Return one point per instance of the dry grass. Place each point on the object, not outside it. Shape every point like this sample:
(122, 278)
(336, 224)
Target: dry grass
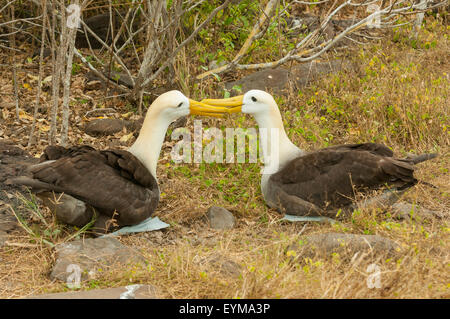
(399, 96)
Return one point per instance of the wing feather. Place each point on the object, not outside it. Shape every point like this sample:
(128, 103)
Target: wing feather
(111, 180)
(333, 175)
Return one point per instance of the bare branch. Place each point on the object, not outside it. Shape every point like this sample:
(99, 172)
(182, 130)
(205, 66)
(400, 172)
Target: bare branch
(183, 44)
(41, 72)
(265, 17)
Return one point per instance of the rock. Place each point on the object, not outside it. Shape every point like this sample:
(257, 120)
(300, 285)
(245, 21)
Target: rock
(221, 263)
(3, 238)
(89, 255)
(127, 292)
(95, 82)
(225, 265)
(8, 221)
(278, 80)
(67, 209)
(100, 25)
(100, 127)
(181, 122)
(302, 74)
(272, 80)
(13, 163)
(37, 52)
(220, 218)
(343, 244)
(406, 210)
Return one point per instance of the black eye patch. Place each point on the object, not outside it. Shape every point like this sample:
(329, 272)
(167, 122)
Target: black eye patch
(254, 99)
(180, 104)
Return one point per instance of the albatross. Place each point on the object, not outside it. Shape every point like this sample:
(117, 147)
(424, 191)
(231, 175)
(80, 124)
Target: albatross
(322, 182)
(118, 184)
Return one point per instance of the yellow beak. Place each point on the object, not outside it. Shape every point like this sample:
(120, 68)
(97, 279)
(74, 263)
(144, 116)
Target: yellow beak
(201, 108)
(231, 105)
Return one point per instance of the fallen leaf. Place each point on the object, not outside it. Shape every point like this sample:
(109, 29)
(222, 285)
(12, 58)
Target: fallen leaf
(24, 115)
(44, 128)
(126, 115)
(47, 79)
(32, 77)
(126, 138)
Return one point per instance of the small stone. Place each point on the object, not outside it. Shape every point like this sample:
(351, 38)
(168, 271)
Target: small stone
(127, 292)
(89, 255)
(8, 221)
(220, 218)
(225, 265)
(343, 244)
(67, 209)
(106, 126)
(406, 210)
(270, 79)
(220, 263)
(3, 238)
(278, 80)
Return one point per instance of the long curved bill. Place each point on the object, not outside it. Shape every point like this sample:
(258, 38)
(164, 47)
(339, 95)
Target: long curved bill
(201, 108)
(232, 104)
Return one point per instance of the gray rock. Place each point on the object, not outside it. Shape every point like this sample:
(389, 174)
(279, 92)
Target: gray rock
(220, 218)
(225, 265)
(180, 122)
(302, 74)
(107, 126)
(272, 80)
(406, 210)
(346, 245)
(95, 82)
(8, 221)
(279, 80)
(13, 163)
(67, 209)
(127, 292)
(3, 238)
(89, 255)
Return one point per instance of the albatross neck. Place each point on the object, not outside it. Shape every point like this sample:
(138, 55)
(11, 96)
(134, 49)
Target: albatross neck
(284, 148)
(149, 142)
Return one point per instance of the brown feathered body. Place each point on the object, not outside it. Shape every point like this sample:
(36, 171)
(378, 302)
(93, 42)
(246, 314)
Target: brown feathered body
(330, 178)
(112, 181)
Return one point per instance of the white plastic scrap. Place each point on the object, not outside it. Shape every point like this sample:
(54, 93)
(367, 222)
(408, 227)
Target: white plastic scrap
(147, 225)
(321, 219)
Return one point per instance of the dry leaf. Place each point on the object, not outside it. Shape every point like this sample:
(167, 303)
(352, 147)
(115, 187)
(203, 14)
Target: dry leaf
(126, 115)
(24, 115)
(126, 138)
(44, 128)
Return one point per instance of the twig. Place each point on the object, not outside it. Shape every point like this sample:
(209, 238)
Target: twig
(70, 38)
(265, 17)
(13, 61)
(41, 71)
(183, 44)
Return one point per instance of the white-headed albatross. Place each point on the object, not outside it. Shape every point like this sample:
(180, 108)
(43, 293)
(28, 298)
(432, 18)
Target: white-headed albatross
(114, 182)
(322, 182)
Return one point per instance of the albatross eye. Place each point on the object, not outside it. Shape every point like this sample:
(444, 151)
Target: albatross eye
(181, 103)
(254, 99)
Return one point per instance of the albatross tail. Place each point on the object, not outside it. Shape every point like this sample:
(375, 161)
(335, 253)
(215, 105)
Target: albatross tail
(416, 159)
(35, 184)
